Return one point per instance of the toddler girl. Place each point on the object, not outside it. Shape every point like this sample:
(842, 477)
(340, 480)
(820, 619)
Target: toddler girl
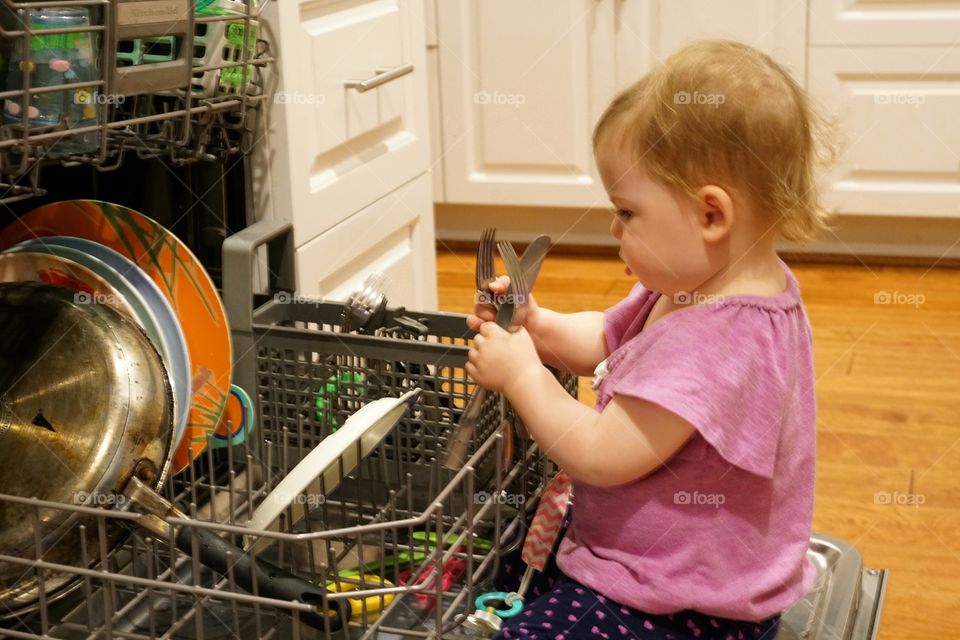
(693, 478)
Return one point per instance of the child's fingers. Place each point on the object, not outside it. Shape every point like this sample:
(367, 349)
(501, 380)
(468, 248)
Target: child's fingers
(474, 321)
(499, 286)
(485, 312)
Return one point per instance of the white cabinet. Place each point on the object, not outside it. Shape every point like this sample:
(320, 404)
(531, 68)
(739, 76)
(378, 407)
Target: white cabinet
(888, 72)
(347, 125)
(332, 263)
(897, 110)
(872, 22)
(523, 84)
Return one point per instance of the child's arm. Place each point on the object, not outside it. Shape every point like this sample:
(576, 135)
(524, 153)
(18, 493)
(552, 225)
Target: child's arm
(571, 342)
(627, 441)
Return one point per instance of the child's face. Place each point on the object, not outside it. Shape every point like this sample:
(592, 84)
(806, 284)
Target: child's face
(658, 230)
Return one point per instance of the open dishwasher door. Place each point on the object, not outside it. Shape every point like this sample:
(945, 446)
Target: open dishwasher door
(846, 601)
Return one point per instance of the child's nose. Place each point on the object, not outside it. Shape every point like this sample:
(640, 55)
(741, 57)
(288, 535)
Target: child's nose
(616, 229)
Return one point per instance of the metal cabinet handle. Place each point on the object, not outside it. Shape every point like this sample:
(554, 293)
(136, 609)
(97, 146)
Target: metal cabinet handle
(383, 76)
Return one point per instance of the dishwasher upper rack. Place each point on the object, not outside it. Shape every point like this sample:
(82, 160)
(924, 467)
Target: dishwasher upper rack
(199, 101)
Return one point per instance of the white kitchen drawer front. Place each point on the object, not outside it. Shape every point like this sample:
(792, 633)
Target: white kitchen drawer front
(523, 84)
(339, 144)
(393, 235)
(866, 22)
(897, 109)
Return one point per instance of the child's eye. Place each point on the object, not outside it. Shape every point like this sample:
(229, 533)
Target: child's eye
(624, 214)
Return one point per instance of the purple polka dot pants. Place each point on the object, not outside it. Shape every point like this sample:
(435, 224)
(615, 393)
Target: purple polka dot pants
(571, 611)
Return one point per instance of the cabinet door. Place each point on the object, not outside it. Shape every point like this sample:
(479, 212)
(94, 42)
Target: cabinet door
(333, 264)
(333, 149)
(896, 108)
(522, 85)
(858, 22)
(776, 27)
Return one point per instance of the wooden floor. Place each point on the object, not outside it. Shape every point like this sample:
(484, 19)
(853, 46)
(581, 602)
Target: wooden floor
(888, 428)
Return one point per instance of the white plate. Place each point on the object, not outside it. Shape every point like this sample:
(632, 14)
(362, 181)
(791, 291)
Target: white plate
(368, 426)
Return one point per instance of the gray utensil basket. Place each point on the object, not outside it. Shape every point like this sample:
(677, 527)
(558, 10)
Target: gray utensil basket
(306, 377)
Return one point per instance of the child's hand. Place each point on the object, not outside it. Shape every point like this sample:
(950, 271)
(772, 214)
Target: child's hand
(483, 311)
(499, 357)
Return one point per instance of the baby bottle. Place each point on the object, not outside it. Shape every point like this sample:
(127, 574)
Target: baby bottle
(56, 59)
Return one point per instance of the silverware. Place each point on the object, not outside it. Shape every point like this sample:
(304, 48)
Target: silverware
(510, 317)
(484, 271)
(364, 303)
(533, 257)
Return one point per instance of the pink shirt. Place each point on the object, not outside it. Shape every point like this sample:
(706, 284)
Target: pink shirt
(723, 527)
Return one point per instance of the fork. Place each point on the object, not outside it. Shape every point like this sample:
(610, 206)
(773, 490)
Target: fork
(510, 317)
(519, 289)
(364, 303)
(485, 271)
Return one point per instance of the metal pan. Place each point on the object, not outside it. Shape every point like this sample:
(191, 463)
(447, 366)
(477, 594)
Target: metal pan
(88, 416)
(155, 311)
(151, 309)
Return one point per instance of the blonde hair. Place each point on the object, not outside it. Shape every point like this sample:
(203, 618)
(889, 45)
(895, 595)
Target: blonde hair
(723, 110)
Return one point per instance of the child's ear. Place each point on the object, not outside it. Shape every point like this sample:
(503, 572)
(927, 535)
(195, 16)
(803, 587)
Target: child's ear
(715, 215)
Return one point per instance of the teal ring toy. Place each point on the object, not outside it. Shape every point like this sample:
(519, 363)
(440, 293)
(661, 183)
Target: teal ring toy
(515, 608)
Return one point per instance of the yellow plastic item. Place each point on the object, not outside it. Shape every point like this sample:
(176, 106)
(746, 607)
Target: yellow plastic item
(372, 602)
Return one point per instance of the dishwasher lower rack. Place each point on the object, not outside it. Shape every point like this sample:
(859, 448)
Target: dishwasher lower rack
(373, 538)
(350, 541)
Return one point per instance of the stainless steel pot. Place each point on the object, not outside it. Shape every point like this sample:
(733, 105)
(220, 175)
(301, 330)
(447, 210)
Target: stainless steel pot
(84, 405)
(87, 419)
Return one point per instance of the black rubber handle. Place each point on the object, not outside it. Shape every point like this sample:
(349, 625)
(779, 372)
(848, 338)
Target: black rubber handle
(271, 580)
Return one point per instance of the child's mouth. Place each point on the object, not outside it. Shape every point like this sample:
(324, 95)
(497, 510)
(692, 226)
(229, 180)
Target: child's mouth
(627, 271)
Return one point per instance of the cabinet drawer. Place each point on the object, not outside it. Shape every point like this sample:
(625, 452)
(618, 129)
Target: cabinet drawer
(393, 235)
(866, 22)
(897, 110)
(336, 146)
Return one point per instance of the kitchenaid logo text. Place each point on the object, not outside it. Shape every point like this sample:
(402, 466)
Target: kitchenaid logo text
(129, 13)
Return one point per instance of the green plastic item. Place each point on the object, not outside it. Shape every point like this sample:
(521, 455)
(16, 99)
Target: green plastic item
(416, 557)
(479, 543)
(400, 558)
(332, 389)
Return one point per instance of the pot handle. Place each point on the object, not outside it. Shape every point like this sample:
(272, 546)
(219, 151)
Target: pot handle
(271, 581)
